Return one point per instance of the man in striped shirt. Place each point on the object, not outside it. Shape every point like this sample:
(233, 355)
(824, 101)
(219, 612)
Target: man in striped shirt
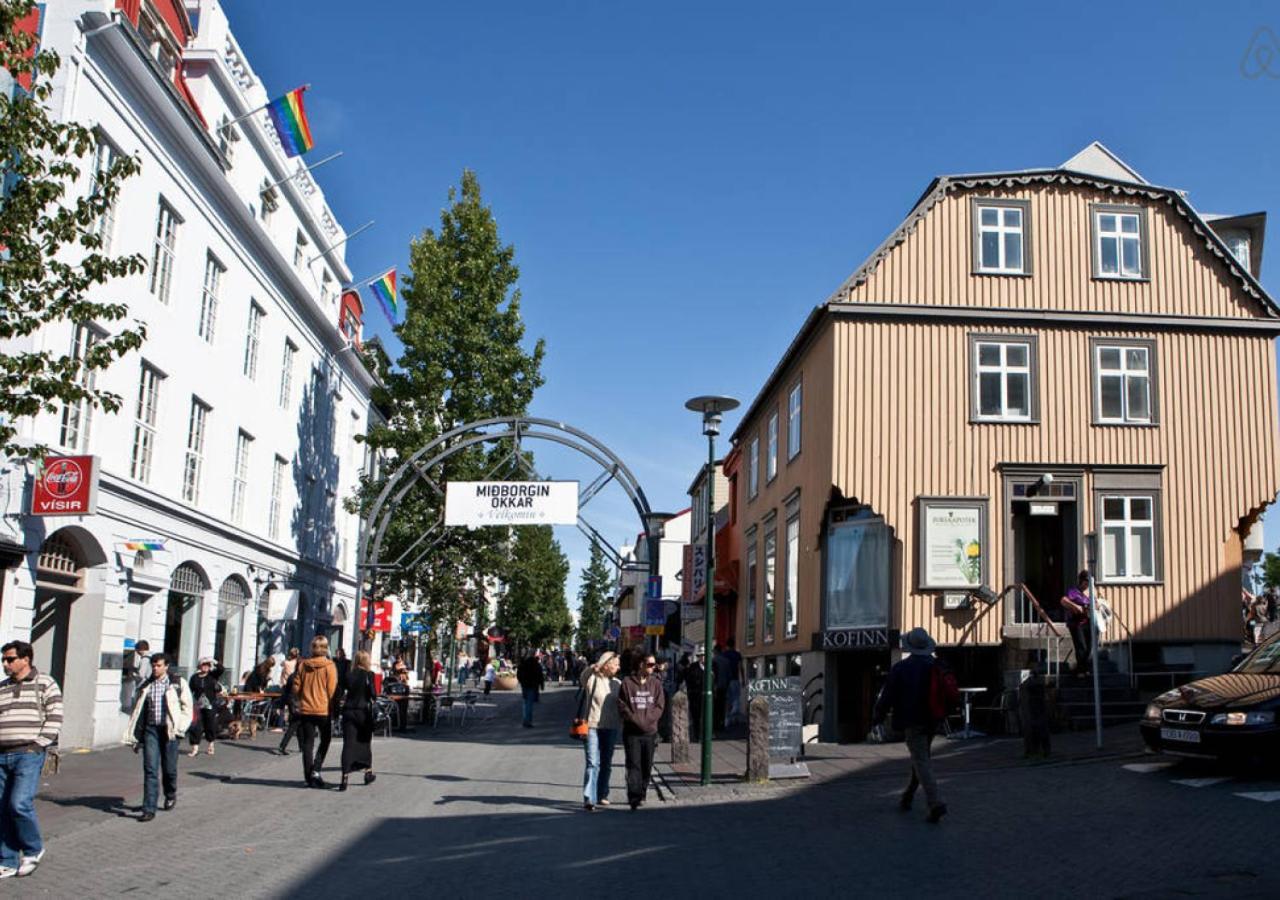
(30, 719)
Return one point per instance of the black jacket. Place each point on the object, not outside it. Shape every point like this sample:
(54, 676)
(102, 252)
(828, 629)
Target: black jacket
(205, 686)
(906, 692)
(529, 674)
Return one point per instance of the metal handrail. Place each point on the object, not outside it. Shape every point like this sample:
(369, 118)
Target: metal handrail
(1052, 649)
(1128, 635)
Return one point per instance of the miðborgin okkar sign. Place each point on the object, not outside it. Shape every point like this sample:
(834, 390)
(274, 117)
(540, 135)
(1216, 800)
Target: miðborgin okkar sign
(66, 486)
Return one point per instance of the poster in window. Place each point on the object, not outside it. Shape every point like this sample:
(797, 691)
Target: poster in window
(953, 543)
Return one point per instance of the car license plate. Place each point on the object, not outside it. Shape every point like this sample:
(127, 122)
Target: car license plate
(1180, 734)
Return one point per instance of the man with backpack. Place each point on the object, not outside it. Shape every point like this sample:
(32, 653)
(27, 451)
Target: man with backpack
(921, 691)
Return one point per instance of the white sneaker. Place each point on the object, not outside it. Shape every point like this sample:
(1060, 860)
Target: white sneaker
(29, 864)
(7, 871)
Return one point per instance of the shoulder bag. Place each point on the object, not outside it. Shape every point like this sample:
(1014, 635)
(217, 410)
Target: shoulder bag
(578, 729)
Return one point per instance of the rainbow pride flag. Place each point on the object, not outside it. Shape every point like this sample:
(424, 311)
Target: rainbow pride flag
(290, 119)
(384, 288)
(143, 545)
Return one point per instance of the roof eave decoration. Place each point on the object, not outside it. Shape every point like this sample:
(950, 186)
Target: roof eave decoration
(952, 183)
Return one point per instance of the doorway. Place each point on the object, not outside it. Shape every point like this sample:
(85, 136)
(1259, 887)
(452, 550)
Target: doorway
(182, 618)
(1046, 555)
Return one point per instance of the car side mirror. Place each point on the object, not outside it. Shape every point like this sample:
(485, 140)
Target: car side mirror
(1237, 659)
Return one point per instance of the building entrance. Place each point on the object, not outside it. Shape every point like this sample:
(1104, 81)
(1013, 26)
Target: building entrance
(1046, 555)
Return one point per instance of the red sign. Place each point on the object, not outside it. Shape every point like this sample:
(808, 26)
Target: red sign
(381, 615)
(66, 486)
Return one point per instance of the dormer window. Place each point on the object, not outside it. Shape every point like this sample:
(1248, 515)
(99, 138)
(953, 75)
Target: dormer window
(1238, 243)
(160, 44)
(227, 138)
(1000, 229)
(1119, 242)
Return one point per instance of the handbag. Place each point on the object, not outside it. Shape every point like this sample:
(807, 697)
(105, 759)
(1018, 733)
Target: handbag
(578, 728)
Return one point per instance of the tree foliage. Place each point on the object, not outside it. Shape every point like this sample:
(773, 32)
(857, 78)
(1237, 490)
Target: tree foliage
(463, 361)
(1271, 570)
(533, 612)
(593, 594)
(54, 247)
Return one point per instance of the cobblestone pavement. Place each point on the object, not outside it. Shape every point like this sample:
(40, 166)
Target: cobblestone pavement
(497, 807)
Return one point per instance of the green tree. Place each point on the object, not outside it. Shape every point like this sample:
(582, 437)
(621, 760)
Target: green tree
(593, 594)
(463, 361)
(533, 612)
(53, 239)
(1271, 570)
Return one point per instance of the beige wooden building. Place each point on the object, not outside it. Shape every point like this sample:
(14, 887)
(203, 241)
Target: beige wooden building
(1028, 359)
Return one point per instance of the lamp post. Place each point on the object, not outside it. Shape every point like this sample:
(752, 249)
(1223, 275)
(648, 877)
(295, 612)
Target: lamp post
(712, 408)
(1091, 558)
(653, 528)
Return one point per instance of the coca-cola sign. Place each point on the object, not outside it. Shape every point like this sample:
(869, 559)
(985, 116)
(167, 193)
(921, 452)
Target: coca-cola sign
(66, 486)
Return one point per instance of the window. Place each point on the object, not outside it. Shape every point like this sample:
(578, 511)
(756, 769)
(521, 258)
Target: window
(791, 592)
(300, 250)
(753, 467)
(103, 158)
(195, 451)
(162, 253)
(227, 137)
(286, 373)
(251, 339)
(1119, 236)
(1003, 380)
(1128, 538)
(144, 426)
(77, 414)
(770, 579)
(278, 471)
(270, 202)
(1238, 243)
(1000, 237)
(753, 580)
(209, 298)
(771, 453)
(328, 296)
(859, 570)
(240, 476)
(793, 423)
(1123, 387)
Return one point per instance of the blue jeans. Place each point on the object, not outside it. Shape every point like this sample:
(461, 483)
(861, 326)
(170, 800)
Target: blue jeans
(599, 746)
(19, 830)
(159, 758)
(530, 696)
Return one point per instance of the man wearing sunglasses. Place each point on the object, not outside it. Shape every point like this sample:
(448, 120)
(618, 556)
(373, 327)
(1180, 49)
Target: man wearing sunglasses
(640, 703)
(30, 720)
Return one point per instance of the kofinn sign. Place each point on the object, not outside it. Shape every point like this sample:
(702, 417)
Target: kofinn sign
(855, 639)
(476, 503)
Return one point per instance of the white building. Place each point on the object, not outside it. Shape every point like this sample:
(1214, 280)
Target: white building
(234, 446)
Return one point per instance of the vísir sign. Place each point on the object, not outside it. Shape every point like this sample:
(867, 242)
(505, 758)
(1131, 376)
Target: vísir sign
(476, 503)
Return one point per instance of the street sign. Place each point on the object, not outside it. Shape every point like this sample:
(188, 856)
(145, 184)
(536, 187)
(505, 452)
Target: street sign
(654, 629)
(477, 503)
(413, 622)
(655, 613)
(655, 587)
(614, 633)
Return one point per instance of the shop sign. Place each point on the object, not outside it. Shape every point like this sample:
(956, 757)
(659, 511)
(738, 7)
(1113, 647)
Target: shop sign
(953, 543)
(477, 503)
(381, 615)
(655, 613)
(855, 639)
(1043, 509)
(66, 486)
(786, 712)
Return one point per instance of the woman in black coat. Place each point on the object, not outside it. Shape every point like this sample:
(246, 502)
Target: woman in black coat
(358, 714)
(204, 694)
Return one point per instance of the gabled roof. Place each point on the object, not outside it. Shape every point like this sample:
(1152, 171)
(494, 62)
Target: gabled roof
(1096, 159)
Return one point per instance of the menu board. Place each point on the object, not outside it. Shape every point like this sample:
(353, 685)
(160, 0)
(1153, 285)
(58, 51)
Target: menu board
(786, 713)
(953, 543)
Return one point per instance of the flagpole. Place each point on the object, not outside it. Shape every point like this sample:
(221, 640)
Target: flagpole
(365, 282)
(368, 224)
(257, 109)
(314, 165)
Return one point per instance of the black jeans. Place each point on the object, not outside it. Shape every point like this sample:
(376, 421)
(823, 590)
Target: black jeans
(639, 753)
(291, 731)
(313, 761)
(1082, 640)
(205, 727)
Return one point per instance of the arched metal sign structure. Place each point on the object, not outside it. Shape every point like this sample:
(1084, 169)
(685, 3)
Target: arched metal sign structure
(417, 469)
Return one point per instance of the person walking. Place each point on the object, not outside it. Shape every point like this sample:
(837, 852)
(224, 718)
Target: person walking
(30, 721)
(289, 701)
(599, 702)
(719, 687)
(490, 674)
(317, 680)
(285, 709)
(204, 694)
(734, 702)
(341, 665)
(694, 676)
(532, 679)
(640, 704)
(908, 692)
(161, 713)
(358, 713)
(1076, 603)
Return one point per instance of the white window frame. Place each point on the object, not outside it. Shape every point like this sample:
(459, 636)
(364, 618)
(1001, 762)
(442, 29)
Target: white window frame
(1125, 374)
(1002, 229)
(795, 402)
(240, 475)
(753, 468)
(227, 138)
(1119, 236)
(753, 587)
(327, 294)
(253, 339)
(1005, 370)
(213, 272)
(1129, 528)
(771, 448)
(300, 243)
(197, 422)
(791, 589)
(162, 254)
(278, 469)
(77, 416)
(770, 596)
(104, 156)
(144, 425)
(286, 373)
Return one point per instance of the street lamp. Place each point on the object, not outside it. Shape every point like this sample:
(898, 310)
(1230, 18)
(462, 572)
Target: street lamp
(654, 531)
(712, 408)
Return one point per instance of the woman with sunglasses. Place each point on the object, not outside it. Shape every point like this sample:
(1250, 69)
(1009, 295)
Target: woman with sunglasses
(641, 701)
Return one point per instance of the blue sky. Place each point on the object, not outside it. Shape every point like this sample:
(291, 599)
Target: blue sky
(684, 182)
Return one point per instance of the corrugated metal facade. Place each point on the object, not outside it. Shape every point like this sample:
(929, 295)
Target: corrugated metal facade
(898, 425)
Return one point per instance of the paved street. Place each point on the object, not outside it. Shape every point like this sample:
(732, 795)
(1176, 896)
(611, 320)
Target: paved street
(497, 805)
